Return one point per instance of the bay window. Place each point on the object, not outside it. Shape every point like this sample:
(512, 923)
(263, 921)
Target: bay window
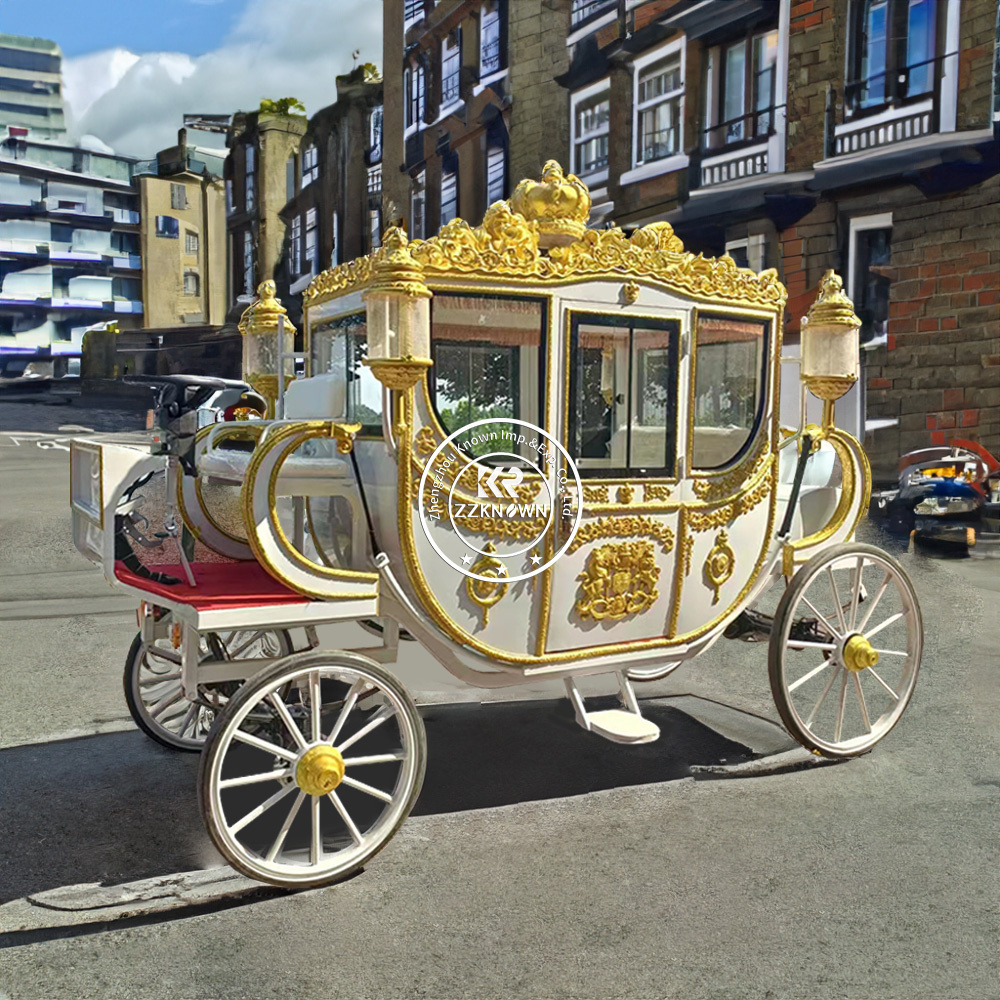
(490, 60)
(591, 114)
(659, 109)
(451, 68)
(414, 95)
(744, 76)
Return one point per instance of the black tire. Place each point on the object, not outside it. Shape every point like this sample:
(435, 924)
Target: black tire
(140, 713)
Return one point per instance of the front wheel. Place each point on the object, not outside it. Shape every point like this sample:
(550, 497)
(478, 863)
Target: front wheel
(845, 650)
(152, 683)
(311, 768)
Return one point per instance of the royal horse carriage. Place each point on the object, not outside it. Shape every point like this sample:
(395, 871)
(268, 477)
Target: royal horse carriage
(538, 450)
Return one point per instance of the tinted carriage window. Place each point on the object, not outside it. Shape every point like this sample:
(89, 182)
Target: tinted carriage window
(623, 395)
(338, 347)
(487, 353)
(728, 387)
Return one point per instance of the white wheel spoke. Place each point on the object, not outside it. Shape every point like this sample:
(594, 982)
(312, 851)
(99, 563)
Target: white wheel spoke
(256, 741)
(822, 698)
(164, 703)
(377, 758)
(861, 702)
(279, 841)
(286, 717)
(840, 709)
(189, 717)
(856, 589)
(892, 652)
(805, 644)
(889, 621)
(159, 679)
(315, 704)
(262, 808)
(386, 712)
(809, 676)
(821, 617)
(352, 696)
(367, 789)
(316, 843)
(878, 596)
(892, 694)
(346, 817)
(253, 779)
(836, 599)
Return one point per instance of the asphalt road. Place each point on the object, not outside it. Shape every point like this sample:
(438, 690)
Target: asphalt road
(540, 862)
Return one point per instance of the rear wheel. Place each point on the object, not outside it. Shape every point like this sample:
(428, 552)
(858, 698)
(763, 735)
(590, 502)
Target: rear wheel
(152, 684)
(845, 650)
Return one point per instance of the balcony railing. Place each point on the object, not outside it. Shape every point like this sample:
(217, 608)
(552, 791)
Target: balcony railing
(490, 61)
(753, 126)
(449, 89)
(585, 10)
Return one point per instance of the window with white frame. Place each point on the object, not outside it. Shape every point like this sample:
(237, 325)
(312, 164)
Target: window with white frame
(742, 82)
(870, 275)
(230, 207)
(490, 56)
(375, 206)
(451, 68)
(311, 261)
(591, 114)
(191, 283)
(310, 165)
(750, 251)
(449, 195)
(418, 201)
(248, 262)
(659, 109)
(248, 191)
(190, 242)
(375, 135)
(496, 174)
(178, 196)
(295, 248)
(413, 10)
(414, 95)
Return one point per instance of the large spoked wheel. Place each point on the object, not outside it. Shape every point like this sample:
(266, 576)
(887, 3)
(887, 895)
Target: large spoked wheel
(845, 650)
(311, 768)
(152, 684)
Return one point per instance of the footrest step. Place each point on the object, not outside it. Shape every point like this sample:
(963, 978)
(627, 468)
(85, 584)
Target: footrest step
(623, 727)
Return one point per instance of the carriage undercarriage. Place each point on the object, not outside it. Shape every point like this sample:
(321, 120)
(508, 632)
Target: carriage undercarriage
(685, 508)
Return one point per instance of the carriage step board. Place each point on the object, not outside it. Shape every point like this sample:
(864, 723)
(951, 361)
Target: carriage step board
(619, 726)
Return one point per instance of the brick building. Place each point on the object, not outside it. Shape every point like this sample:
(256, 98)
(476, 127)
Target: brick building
(809, 134)
(470, 103)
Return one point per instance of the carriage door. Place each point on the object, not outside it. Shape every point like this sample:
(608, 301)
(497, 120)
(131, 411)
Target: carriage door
(614, 584)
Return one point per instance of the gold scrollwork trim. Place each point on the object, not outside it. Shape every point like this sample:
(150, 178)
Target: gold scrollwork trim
(720, 517)
(484, 594)
(712, 489)
(719, 564)
(623, 527)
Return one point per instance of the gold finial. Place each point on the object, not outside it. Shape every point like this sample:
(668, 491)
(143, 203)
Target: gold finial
(395, 269)
(261, 316)
(832, 306)
(559, 204)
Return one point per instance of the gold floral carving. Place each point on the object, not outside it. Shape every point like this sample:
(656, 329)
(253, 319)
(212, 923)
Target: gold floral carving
(595, 494)
(623, 527)
(507, 245)
(655, 491)
(559, 204)
(719, 517)
(482, 593)
(718, 487)
(687, 549)
(625, 493)
(619, 580)
(719, 564)
(630, 292)
(425, 441)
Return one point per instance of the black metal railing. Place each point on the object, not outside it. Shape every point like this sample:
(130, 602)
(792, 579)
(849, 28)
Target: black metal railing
(490, 61)
(877, 91)
(449, 88)
(659, 145)
(584, 10)
(752, 126)
(413, 10)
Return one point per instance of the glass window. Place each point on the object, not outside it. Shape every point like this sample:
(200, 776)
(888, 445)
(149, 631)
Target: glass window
(487, 353)
(334, 237)
(230, 207)
(623, 390)
(496, 174)
(248, 263)
(744, 107)
(660, 92)
(451, 69)
(178, 196)
(311, 261)
(339, 347)
(190, 242)
(168, 226)
(248, 187)
(413, 94)
(872, 257)
(449, 196)
(590, 141)
(920, 47)
(417, 205)
(310, 165)
(728, 388)
(873, 53)
(490, 60)
(190, 283)
(375, 135)
(295, 249)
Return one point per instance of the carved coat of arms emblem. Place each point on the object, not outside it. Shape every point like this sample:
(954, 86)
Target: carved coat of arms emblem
(619, 580)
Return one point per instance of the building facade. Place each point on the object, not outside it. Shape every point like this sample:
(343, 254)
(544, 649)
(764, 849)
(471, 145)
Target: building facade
(470, 103)
(182, 204)
(31, 86)
(69, 245)
(803, 135)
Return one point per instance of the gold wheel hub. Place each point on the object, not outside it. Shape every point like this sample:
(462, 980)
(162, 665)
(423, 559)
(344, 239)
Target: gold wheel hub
(859, 654)
(319, 770)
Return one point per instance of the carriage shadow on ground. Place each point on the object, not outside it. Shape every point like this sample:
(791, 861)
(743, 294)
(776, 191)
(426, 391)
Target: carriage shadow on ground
(116, 807)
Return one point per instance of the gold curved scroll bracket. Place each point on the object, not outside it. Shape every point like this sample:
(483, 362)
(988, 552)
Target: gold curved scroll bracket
(484, 594)
(854, 466)
(719, 564)
(619, 580)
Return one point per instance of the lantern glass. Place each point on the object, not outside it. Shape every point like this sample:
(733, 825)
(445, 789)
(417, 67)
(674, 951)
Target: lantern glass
(398, 326)
(830, 350)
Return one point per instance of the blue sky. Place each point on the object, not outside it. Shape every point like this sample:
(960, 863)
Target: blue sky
(82, 26)
(133, 68)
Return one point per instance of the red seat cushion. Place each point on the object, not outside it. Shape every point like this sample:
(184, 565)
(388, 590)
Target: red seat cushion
(220, 585)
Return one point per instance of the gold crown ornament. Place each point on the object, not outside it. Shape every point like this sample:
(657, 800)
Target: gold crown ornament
(559, 204)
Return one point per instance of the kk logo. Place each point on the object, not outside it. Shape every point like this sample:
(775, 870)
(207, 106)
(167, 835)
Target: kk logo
(501, 483)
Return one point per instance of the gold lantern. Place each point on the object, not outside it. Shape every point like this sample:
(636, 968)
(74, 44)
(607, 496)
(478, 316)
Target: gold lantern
(830, 344)
(399, 315)
(261, 324)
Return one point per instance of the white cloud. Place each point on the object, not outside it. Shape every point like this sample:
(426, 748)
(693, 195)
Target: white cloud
(292, 49)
